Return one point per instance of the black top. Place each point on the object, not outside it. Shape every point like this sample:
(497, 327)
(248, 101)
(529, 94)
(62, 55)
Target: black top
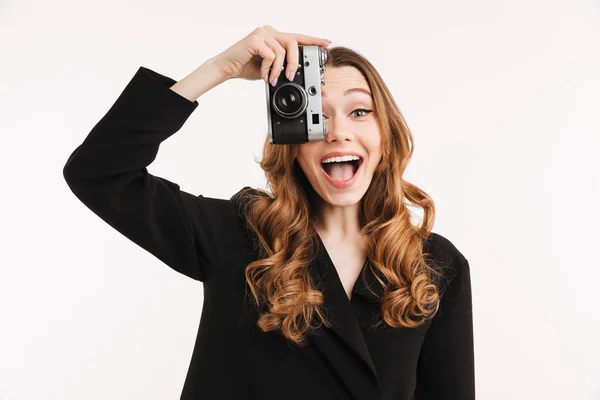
(206, 239)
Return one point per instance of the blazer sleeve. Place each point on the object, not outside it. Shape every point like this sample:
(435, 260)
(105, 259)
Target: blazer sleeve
(108, 173)
(446, 368)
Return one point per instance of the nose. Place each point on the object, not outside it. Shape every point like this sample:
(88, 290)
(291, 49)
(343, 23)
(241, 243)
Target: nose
(337, 131)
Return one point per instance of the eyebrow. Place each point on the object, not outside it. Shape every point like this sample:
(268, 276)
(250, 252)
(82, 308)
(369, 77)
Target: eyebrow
(353, 90)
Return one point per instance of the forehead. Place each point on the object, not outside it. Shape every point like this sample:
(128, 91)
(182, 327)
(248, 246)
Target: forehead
(339, 79)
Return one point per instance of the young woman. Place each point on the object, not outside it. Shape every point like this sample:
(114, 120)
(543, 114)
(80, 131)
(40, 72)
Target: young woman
(320, 288)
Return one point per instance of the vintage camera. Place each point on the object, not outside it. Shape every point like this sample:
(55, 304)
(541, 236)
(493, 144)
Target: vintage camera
(294, 111)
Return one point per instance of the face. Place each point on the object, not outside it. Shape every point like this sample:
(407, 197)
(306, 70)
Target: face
(349, 130)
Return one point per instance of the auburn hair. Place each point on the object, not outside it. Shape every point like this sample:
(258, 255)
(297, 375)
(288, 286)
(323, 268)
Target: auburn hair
(283, 224)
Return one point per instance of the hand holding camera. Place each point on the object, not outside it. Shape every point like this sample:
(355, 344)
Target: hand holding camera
(263, 52)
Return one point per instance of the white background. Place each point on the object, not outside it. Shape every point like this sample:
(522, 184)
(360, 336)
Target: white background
(503, 99)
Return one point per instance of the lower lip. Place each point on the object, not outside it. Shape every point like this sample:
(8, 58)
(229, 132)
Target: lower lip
(342, 184)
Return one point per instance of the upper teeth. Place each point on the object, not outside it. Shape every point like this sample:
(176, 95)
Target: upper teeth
(340, 159)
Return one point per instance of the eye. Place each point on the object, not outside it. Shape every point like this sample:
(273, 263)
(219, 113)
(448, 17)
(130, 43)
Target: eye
(358, 109)
(362, 109)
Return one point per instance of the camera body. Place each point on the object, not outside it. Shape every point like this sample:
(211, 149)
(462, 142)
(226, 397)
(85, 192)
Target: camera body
(294, 108)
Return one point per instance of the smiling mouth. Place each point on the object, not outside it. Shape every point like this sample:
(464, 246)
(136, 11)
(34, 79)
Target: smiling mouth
(342, 171)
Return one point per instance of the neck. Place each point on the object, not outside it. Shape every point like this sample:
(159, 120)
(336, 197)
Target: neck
(338, 223)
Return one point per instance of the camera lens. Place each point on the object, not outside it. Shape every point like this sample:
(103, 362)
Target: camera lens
(290, 100)
(322, 56)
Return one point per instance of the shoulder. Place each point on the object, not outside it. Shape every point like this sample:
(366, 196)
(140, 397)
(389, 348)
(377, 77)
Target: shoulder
(240, 202)
(242, 198)
(441, 247)
(443, 255)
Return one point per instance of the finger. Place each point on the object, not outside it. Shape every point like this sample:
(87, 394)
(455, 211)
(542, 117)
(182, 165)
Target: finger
(310, 40)
(277, 65)
(292, 54)
(300, 38)
(267, 54)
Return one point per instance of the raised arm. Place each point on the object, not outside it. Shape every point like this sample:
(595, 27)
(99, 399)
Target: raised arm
(108, 173)
(446, 368)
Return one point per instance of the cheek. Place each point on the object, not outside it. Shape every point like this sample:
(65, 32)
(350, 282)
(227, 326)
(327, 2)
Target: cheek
(306, 154)
(304, 163)
(373, 144)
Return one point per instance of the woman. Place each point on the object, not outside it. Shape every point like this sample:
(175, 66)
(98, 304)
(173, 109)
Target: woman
(312, 291)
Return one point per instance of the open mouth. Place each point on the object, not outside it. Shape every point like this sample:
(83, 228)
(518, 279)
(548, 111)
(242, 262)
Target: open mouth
(344, 171)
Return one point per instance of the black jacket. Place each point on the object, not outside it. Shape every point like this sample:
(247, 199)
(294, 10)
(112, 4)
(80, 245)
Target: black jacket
(206, 239)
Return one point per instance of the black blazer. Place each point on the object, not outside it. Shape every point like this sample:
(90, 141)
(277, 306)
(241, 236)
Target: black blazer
(207, 240)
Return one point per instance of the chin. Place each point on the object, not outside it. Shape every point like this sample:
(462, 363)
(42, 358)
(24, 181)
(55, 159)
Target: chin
(343, 202)
(341, 198)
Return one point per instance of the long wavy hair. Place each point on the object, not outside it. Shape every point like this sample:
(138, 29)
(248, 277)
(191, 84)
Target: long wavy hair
(283, 222)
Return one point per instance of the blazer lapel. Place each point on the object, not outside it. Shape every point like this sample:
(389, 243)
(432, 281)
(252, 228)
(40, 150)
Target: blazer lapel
(349, 357)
